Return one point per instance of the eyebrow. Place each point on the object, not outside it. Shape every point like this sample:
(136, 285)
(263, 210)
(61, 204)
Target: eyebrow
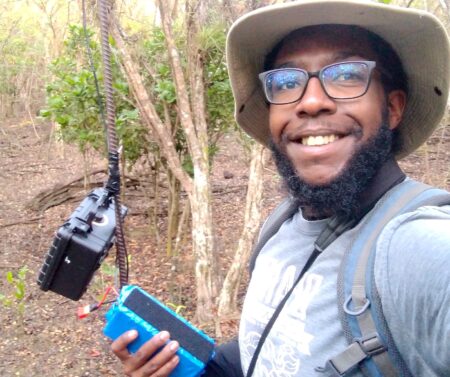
(340, 55)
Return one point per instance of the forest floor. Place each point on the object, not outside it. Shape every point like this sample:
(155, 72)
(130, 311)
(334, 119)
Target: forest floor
(48, 339)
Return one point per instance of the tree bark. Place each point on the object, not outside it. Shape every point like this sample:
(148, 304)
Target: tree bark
(158, 128)
(193, 121)
(228, 296)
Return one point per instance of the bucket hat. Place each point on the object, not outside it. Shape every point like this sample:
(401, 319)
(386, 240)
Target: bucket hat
(419, 39)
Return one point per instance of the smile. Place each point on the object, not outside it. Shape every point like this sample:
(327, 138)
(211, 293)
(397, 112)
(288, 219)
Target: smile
(319, 140)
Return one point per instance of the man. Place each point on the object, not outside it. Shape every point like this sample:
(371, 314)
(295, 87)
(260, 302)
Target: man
(345, 88)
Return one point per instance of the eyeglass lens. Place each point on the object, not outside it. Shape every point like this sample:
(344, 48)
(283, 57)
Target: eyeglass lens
(340, 81)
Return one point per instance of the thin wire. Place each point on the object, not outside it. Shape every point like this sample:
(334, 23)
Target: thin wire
(93, 70)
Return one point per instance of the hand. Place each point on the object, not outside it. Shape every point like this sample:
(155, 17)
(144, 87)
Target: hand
(145, 363)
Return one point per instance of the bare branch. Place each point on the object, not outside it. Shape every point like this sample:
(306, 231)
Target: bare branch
(180, 83)
(149, 114)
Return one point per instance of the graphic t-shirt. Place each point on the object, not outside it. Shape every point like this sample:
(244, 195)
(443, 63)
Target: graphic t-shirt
(308, 329)
(412, 276)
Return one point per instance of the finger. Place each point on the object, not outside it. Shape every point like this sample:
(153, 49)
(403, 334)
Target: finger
(166, 369)
(147, 350)
(163, 363)
(119, 346)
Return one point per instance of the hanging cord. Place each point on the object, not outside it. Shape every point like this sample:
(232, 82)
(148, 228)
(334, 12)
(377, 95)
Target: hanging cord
(93, 70)
(113, 184)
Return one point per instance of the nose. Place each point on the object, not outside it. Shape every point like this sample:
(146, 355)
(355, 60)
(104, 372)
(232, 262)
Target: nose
(315, 101)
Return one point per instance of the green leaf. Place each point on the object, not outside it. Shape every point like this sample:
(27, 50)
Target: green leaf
(45, 113)
(22, 272)
(10, 277)
(20, 293)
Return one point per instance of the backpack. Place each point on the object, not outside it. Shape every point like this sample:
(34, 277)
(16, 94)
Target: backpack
(371, 347)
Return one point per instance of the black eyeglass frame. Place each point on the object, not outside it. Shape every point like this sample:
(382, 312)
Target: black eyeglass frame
(263, 76)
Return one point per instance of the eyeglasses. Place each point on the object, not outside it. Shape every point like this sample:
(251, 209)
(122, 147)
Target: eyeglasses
(345, 80)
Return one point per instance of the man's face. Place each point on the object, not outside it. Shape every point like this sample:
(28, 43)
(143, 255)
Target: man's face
(344, 125)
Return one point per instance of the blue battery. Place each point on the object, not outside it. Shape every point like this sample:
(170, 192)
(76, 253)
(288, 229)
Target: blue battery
(136, 309)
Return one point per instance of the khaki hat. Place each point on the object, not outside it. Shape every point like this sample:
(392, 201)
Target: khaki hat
(418, 37)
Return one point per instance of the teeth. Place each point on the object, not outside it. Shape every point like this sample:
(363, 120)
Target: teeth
(319, 140)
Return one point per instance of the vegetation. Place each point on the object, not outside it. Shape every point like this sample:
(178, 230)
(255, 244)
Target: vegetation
(74, 104)
(14, 297)
(159, 81)
(21, 62)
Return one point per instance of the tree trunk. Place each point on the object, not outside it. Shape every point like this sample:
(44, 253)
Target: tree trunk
(182, 227)
(195, 129)
(173, 213)
(228, 296)
(193, 121)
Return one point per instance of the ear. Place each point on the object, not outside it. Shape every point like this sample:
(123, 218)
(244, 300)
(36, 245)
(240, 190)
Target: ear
(396, 101)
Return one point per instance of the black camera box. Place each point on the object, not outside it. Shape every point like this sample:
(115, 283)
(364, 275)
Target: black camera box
(79, 246)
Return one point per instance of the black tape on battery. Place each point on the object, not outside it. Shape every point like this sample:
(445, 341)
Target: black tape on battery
(161, 319)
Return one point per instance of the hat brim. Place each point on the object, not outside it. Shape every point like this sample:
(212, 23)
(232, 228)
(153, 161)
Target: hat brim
(418, 37)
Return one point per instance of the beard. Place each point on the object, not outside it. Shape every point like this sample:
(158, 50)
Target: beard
(341, 196)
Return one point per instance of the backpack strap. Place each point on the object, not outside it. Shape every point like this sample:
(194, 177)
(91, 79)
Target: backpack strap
(285, 210)
(371, 345)
(334, 227)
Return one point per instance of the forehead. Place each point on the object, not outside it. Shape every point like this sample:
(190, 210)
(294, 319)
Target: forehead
(332, 41)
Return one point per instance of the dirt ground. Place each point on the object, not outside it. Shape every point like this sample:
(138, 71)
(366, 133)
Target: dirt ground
(49, 340)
